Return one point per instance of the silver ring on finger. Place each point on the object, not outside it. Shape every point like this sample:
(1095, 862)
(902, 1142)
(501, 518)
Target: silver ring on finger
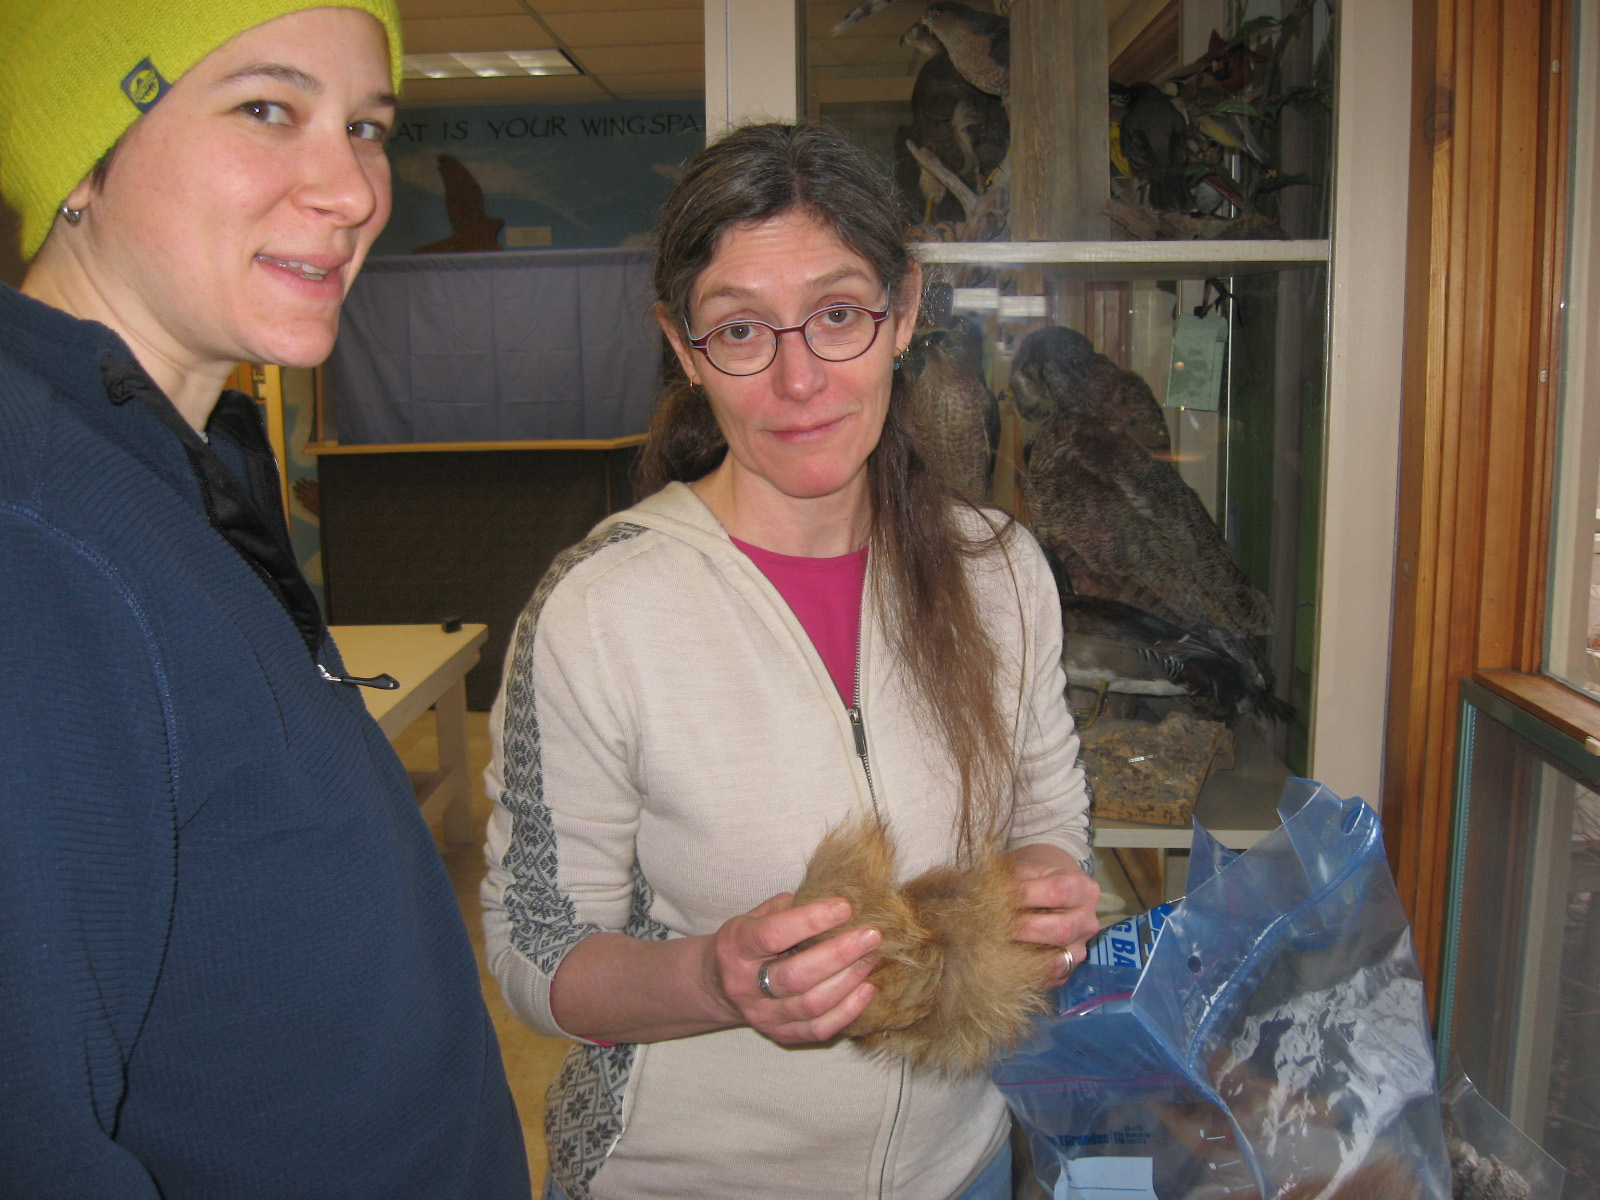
(1071, 961)
(764, 983)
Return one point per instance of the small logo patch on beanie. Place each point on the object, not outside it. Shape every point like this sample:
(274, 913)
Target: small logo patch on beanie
(144, 85)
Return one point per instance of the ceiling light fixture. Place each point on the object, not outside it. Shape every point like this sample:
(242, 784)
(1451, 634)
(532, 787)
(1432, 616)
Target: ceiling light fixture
(488, 64)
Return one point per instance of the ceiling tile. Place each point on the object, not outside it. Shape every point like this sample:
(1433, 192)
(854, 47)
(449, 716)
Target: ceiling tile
(411, 9)
(606, 61)
(427, 35)
(638, 48)
(550, 89)
(549, 7)
(643, 27)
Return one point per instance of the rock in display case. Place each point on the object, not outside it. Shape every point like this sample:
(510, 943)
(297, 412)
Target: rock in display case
(1123, 210)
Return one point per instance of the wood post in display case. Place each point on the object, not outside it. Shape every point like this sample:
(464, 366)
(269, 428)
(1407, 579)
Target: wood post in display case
(1060, 117)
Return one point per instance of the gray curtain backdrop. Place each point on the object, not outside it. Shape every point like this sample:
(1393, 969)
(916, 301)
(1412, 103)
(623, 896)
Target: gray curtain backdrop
(519, 345)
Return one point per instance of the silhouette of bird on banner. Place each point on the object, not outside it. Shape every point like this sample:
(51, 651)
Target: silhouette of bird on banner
(471, 227)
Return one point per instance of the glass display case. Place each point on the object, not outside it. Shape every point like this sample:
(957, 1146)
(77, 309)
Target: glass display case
(773, 59)
(1158, 179)
(1098, 119)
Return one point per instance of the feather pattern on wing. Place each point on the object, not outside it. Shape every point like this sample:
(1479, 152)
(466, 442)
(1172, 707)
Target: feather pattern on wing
(979, 44)
(1102, 495)
(956, 412)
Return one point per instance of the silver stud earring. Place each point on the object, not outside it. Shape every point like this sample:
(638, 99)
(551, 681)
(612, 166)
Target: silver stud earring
(72, 215)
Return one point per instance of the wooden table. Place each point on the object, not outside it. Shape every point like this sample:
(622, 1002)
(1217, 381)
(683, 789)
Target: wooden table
(431, 666)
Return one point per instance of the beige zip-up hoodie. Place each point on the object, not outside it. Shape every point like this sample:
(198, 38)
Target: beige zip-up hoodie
(669, 748)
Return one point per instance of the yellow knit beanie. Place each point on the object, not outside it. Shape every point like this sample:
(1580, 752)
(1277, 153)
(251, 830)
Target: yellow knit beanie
(74, 74)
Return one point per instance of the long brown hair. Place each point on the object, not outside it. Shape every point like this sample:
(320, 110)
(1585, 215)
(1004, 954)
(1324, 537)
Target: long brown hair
(754, 173)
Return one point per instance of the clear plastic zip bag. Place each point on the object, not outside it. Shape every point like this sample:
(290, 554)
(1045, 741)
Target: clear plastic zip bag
(1274, 1046)
(1490, 1158)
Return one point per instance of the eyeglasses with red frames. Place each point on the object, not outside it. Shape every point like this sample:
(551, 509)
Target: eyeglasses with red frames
(836, 333)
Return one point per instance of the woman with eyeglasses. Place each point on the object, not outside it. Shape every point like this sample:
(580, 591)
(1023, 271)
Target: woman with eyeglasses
(799, 624)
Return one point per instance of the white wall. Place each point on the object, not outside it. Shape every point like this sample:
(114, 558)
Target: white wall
(753, 50)
(1366, 320)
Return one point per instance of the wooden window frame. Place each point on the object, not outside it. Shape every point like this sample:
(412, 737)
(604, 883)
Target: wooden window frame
(1486, 247)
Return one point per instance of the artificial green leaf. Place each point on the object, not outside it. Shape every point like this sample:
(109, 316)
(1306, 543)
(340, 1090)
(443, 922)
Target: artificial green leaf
(1233, 104)
(1305, 99)
(1273, 183)
(1250, 29)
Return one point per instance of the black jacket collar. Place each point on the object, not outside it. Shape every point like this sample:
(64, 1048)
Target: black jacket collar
(88, 361)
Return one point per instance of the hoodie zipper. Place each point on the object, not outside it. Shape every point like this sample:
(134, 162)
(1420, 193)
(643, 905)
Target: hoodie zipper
(858, 729)
(858, 724)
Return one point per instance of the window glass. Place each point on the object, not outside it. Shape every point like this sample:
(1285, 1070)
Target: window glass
(1572, 648)
(1522, 1006)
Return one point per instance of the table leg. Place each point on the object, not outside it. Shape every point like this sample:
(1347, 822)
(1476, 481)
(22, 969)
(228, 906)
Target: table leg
(450, 720)
(1146, 872)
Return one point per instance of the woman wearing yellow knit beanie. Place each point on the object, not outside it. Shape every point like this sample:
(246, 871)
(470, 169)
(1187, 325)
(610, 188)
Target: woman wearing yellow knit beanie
(231, 963)
(203, 179)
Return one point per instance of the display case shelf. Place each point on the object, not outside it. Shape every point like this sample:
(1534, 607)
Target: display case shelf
(1135, 260)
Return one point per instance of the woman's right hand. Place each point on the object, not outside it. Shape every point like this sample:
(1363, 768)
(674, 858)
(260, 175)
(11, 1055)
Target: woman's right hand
(819, 990)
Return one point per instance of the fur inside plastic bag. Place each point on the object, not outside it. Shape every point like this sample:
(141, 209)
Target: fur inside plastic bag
(1490, 1158)
(1275, 1045)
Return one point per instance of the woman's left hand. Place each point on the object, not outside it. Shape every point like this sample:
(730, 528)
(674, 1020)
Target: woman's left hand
(1057, 902)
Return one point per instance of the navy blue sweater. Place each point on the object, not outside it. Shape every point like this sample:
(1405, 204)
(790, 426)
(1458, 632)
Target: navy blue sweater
(231, 963)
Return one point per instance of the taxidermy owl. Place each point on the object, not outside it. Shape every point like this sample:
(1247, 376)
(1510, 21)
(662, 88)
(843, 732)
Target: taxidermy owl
(1103, 495)
(957, 413)
(953, 989)
(1105, 499)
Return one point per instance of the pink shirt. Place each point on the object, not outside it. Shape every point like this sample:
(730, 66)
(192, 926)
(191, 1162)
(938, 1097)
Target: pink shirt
(825, 595)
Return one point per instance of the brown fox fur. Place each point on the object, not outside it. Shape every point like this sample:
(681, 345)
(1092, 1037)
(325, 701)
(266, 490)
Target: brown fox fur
(953, 989)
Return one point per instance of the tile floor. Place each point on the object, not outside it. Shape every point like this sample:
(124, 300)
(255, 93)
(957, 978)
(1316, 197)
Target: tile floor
(531, 1060)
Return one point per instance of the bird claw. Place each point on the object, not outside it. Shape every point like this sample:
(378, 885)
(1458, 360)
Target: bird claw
(1096, 711)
